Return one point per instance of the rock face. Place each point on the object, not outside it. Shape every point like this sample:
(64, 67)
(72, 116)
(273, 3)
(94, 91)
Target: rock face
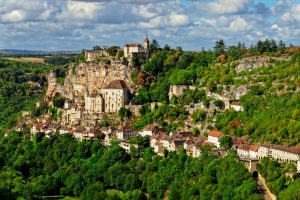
(235, 92)
(177, 90)
(91, 77)
(257, 62)
(53, 86)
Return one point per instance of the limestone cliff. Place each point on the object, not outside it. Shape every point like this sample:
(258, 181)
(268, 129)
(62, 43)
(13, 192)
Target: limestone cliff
(91, 77)
(257, 61)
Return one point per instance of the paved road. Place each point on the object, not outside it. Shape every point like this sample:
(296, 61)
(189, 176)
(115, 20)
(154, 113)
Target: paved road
(263, 190)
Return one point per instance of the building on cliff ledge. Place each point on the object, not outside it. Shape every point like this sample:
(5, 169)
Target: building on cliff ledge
(111, 98)
(91, 55)
(137, 50)
(116, 95)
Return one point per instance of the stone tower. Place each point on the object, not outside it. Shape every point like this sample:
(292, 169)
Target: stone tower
(146, 43)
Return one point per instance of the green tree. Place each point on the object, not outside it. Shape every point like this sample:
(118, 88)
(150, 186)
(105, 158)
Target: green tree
(219, 47)
(226, 142)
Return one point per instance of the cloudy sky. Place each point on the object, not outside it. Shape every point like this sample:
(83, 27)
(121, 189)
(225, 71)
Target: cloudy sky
(191, 24)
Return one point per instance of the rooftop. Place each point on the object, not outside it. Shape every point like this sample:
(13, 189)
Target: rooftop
(215, 133)
(116, 84)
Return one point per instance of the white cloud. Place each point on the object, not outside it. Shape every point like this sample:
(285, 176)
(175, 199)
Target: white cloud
(275, 27)
(228, 6)
(80, 11)
(239, 24)
(14, 16)
(177, 19)
(81, 24)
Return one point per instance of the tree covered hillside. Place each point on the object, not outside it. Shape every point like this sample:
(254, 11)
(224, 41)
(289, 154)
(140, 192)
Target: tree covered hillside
(271, 103)
(64, 166)
(21, 84)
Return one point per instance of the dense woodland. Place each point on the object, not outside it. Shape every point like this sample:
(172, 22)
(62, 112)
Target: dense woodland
(21, 84)
(63, 166)
(280, 178)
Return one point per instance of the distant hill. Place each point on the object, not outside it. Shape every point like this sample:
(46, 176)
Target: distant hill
(28, 52)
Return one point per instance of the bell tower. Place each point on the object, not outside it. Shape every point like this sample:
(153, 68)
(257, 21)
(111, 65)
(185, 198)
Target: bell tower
(146, 43)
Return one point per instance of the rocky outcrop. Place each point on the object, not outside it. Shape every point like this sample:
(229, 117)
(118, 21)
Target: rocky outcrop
(257, 62)
(53, 86)
(91, 77)
(235, 92)
(177, 90)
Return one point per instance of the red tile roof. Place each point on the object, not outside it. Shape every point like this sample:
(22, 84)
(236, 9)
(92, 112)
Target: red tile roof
(236, 103)
(253, 148)
(215, 133)
(116, 84)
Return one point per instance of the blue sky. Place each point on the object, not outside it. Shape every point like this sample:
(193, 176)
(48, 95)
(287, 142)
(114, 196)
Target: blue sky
(191, 24)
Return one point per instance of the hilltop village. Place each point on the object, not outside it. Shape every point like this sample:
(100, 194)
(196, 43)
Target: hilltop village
(100, 86)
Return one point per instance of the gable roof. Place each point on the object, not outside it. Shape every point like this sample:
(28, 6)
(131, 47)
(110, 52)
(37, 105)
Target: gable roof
(133, 45)
(215, 133)
(116, 84)
(236, 103)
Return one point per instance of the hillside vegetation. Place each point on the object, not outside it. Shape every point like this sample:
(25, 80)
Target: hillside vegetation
(21, 84)
(271, 104)
(64, 166)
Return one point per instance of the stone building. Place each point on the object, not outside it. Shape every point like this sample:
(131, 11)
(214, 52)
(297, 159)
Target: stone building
(125, 133)
(94, 103)
(214, 137)
(137, 50)
(91, 55)
(116, 95)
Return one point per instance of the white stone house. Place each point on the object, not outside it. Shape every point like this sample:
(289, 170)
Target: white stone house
(148, 130)
(214, 137)
(125, 133)
(126, 145)
(253, 151)
(243, 151)
(94, 103)
(79, 133)
(287, 154)
(116, 95)
(236, 106)
(264, 151)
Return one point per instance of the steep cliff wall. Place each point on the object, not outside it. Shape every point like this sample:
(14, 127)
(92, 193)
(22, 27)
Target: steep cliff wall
(89, 76)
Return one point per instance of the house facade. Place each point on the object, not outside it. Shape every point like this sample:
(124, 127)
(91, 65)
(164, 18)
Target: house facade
(116, 95)
(214, 137)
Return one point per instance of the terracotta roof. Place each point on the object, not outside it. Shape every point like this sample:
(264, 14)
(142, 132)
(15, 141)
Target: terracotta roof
(266, 145)
(116, 84)
(215, 133)
(133, 45)
(125, 128)
(238, 140)
(94, 94)
(150, 127)
(236, 103)
(253, 148)
(295, 150)
(38, 125)
(80, 129)
(245, 147)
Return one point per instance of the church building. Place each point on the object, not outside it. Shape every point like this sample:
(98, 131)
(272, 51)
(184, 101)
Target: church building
(137, 50)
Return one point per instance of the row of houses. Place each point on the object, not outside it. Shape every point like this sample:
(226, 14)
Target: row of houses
(161, 141)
